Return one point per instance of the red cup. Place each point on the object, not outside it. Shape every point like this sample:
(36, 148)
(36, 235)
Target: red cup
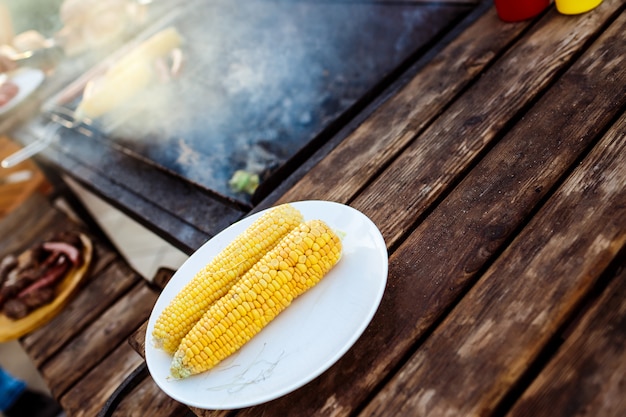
(517, 10)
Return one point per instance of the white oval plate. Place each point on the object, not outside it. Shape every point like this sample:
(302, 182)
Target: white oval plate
(305, 339)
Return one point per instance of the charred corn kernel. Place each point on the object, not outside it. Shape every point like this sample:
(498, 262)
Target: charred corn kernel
(273, 297)
(216, 278)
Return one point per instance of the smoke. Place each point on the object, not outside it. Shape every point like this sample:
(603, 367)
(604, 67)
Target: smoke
(260, 79)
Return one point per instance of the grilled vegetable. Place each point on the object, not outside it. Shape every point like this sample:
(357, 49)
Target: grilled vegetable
(297, 263)
(217, 277)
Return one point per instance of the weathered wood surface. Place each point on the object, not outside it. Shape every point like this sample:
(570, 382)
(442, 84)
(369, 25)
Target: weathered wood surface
(112, 303)
(138, 339)
(436, 158)
(147, 399)
(102, 290)
(473, 223)
(497, 178)
(94, 343)
(349, 168)
(13, 194)
(581, 379)
(87, 398)
(30, 223)
(487, 342)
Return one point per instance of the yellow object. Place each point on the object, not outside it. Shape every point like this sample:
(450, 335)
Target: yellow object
(576, 6)
(218, 276)
(157, 46)
(14, 329)
(130, 75)
(297, 263)
(104, 95)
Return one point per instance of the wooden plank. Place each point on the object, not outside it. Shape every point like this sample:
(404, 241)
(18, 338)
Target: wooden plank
(30, 223)
(586, 377)
(13, 194)
(436, 159)
(103, 256)
(92, 301)
(500, 327)
(147, 399)
(438, 262)
(138, 339)
(440, 156)
(162, 277)
(214, 413)
(36, 219)
(348, 168)
(94, 343)
(88, 397)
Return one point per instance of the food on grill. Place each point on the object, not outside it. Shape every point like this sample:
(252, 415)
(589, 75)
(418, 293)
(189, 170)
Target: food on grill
(297, 263)
(130, 75)
(103, 95)
(217, 277)
(29, 280)
(153, 48)
(244, 181)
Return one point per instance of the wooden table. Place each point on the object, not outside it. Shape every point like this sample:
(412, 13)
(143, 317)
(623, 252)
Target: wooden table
(497, 177)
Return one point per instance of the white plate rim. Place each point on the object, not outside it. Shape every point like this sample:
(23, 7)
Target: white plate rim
(323, 210)
(27, 80)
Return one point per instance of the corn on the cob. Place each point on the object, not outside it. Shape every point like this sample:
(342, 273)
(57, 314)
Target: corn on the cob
(218, 276)
(296, 264)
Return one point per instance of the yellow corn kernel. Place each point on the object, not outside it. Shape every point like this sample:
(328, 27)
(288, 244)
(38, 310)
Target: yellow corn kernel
(216, 278)
(273, 298)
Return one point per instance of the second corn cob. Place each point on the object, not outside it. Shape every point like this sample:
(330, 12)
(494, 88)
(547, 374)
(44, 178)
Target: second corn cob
(297, 263)
(216, 278)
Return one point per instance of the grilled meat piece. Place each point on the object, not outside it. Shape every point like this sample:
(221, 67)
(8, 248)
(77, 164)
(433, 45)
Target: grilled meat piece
(15, 309)
(23, 274)
(72, 253)
(31, 279)
(59, 265)
(8, 263)
(37, 298)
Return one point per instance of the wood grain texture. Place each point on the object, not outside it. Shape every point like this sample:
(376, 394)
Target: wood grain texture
(349, 167)
(87, 398)
(582, 379)
(95, 342)
(147, 399)
(138, 339)
(92, 301)
(212, 413)
(486, 343)
(12, 195)
(162, 277)
(441, 258)
(439, 156)
(33, 221)
(38, 218)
